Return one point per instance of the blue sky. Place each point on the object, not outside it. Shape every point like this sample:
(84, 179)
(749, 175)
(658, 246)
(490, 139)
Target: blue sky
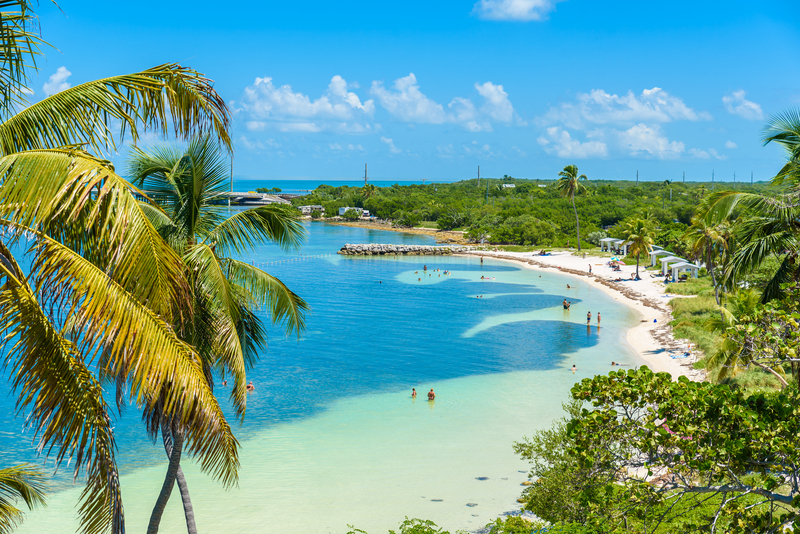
(434, 89)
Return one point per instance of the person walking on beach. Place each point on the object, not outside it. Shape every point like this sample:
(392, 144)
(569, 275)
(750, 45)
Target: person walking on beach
(590, 268)
(588, 318)
(413, 393)
(431, 395)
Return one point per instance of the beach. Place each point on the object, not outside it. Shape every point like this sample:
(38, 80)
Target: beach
(652, 338)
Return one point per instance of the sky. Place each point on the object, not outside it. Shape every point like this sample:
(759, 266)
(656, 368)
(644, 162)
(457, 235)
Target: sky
(432, 90)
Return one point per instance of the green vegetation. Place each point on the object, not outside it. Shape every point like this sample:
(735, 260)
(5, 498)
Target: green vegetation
(268, 190)
(225, 293)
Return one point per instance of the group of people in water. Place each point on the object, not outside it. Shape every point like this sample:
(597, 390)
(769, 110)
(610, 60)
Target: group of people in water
(431, 394)
(430, 274)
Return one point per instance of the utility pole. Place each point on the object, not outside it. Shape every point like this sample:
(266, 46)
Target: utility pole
(751, 177)
(712, 179)
(231, 185)
(637, 177)
(479, 176)
(365, 175)
(734, 179)
(487, 191)
(684, 176)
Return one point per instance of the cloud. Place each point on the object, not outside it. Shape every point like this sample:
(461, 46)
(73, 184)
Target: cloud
(57, 82)
(522, 10)
(559, 142)
(287, 110)
(599, 107)
(475, 149)
(737, 104)
(356, 148)
(259, 144)
(407, 102)
(393, 149)
(706, 154)
(731, 145)
(649, 141)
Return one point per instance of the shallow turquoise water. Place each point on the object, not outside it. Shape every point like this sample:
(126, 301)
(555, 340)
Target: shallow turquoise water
(332, 435)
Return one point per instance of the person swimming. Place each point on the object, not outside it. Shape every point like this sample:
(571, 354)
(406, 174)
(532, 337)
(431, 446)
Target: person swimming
(574, 368)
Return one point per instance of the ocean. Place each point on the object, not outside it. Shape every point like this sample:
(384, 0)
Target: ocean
(332, 436)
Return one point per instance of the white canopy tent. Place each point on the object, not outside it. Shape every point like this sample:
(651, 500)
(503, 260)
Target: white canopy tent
(656, 253)
(684, 266)
(606, 243)
(667, 260)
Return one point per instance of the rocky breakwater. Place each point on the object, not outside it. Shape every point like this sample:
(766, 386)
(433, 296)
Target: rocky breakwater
(374, 249)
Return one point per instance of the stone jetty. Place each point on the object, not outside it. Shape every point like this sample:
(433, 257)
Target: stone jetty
(375, 249)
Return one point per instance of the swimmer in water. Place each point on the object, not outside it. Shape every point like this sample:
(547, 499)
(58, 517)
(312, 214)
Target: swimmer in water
(574, 368)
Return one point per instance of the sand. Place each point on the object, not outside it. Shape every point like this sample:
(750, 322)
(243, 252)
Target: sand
(652, 341)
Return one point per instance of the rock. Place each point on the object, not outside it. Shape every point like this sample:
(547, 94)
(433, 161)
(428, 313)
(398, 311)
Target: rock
(527, 483)
(373, 249)
(520, 500)
(472, 504)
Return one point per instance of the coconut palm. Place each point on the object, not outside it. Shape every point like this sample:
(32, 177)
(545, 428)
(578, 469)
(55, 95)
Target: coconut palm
(709, 241)
(22, 482)
(784, 129)
(639, 234)
(226, 292)
(569, 185)
(369, 190)
(97, 300)
(730, 358)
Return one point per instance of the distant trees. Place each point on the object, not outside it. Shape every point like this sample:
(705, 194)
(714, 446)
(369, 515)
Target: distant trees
(351, 215)
(268, 190)
(569, 185)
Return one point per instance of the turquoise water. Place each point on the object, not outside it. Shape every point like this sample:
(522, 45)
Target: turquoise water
(332, 436)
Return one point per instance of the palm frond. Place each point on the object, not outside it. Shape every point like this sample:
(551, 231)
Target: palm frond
(244, 230)
(19, 46)
(284, 306)
(22, 482)
(96, 213)
(152, 99)
(124, 336)
(63, 400)
(784, 129)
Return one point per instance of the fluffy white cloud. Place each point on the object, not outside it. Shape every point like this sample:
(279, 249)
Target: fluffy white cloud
(599, 107)
(523, 10)
(559, 142)
(731, 145)
(259, 144)
(737, 104)
(57, 82)
(268, 105)
(393, 149)
(649, 141)
(407, 102)
(706, 154)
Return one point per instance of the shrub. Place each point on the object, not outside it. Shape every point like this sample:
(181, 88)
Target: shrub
(351, 215)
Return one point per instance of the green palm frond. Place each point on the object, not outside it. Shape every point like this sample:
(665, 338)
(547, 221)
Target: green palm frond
(152, 99)
(22, 482)
(125, 337)
(19, 46)
(94, 211)
(242, 231)
(784, 129)
(189, 182)
(211, 279)
(284, 306)
(63, 400)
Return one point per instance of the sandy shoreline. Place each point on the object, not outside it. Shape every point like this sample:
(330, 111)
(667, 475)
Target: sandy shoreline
(653, 342)
(441, 236)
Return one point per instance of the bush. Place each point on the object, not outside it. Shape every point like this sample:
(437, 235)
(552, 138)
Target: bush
(351, 215)
(595, 237)
(407, 220)
(316, 214)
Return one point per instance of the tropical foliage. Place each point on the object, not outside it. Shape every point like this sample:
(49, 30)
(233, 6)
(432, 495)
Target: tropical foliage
(226, 292)
(569, 185)
(20, 483)
(102, 289)
(638, 233)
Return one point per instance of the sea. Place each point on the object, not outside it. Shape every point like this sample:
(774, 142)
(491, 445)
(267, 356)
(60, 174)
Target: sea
(332, 436)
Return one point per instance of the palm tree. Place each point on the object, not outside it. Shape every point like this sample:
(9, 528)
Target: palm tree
(102, 288)
(730, 358)
(640, 236)
(569, 185)
(369, 190)
(226, 292)
(708, 241)
(22, 482)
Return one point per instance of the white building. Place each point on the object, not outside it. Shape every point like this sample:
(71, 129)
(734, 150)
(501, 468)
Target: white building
(345, 209)
(308, 210)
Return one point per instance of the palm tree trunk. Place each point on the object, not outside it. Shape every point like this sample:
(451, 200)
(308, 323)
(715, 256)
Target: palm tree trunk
(169, 482)
(577, 223)
(188, 509)
(637, 264)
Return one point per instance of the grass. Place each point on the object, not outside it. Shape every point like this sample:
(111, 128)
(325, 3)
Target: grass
(693, 286)
(754, 381)
(689, 318)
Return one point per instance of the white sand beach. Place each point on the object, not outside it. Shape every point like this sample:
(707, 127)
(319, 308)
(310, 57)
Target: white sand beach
(653, 341)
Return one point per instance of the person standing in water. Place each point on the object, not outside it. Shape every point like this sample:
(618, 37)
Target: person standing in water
(431, 395)
(588, 318)
(413, 393)
(598, 318)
